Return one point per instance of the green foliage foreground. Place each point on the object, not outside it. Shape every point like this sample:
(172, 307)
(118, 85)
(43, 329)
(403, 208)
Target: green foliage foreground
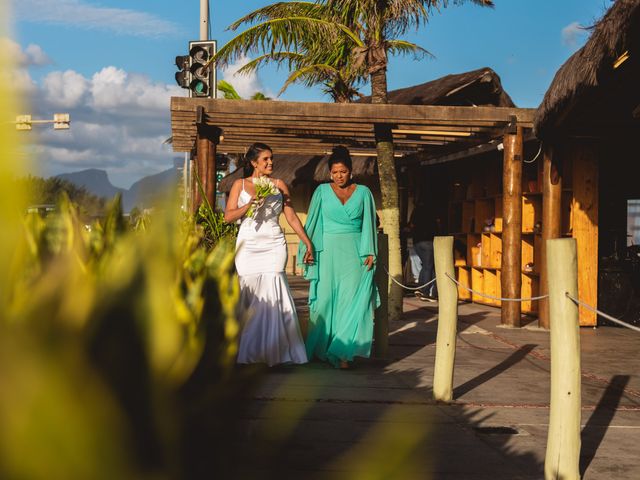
(114, 345)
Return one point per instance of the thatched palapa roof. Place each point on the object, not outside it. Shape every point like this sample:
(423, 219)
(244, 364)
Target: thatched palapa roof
(475, 88)
(589, 87)
(480, 87)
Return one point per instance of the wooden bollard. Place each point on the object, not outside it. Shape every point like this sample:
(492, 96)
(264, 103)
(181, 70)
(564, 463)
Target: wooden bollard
(447, 320)
(562, 460)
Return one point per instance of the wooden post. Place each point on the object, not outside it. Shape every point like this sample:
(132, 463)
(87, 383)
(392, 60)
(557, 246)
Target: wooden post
(584, 223)
(551, 222)
(447, 320)
(381, 319)
(206, 148)
(206, 141)
(511, 282)
(563, 443)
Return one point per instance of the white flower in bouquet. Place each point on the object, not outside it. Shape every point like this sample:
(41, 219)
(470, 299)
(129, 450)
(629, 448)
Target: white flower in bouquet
(264, 188)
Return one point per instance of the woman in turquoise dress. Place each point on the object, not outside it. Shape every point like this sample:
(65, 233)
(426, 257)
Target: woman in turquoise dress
(342, 293)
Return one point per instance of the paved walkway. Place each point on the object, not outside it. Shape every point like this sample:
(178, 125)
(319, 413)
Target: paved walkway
(377, 420)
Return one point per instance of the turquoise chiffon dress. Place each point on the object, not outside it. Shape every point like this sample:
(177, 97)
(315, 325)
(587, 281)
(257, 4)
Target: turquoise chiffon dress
(342, 292)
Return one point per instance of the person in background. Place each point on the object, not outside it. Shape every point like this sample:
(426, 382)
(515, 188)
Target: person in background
(424, 225)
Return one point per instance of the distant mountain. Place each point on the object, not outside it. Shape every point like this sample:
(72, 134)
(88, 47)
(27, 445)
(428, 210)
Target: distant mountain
(94, 181)
(147, 190)
(142, 194)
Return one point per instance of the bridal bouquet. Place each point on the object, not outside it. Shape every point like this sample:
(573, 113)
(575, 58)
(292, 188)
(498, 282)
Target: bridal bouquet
(264, 188)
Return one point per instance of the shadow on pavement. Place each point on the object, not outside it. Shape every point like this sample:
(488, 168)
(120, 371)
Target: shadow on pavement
(508, 362)
(595, 429)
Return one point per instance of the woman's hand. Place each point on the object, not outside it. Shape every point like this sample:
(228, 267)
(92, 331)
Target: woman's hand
(257, 203)
(369, 261)
(308, 256)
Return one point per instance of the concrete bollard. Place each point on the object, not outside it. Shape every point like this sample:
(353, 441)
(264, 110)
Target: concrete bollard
(562, 459)
(447, 320)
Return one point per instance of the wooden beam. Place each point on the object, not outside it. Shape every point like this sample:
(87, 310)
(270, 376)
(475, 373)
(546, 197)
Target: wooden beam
(511, 276)
(551, 222)
(288, 121)
(490, 145)
(373, 113)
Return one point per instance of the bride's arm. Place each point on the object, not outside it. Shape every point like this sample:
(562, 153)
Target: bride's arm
(232, 212)
(294, 221)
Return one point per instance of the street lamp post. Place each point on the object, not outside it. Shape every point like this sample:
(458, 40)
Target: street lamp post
(61, 121)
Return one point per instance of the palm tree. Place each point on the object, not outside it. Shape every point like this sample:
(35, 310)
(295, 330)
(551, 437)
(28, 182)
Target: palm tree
(301, 36)
(351, 38)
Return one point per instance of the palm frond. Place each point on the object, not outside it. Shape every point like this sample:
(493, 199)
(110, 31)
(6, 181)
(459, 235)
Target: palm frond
(402, 47)
(278, 57)
(282, 10)
(228, 91)
(310, 75)
(259, 96)
(276, 35)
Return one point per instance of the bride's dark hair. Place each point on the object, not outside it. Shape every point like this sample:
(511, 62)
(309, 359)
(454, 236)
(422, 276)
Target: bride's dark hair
(252, 153)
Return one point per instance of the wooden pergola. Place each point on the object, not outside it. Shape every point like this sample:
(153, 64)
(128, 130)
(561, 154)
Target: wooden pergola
(314, 128)
(419, 132)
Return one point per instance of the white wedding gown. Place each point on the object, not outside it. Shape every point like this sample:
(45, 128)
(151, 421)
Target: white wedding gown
(271, 333)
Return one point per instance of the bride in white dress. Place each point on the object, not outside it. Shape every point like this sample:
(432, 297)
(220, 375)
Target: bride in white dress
(271, 333)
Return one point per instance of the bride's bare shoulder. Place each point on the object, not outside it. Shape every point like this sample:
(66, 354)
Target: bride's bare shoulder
(279, 182)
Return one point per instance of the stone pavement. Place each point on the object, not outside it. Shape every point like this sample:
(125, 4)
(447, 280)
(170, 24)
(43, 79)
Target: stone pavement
(377, 420)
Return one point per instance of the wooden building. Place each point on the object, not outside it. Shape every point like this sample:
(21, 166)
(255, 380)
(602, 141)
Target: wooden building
(422, 134)
(501, 190)
(589, 124)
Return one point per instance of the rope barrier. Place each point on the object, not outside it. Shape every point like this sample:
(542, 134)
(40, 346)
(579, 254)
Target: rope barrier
(602, 314)
(501, 299)
(404, 286)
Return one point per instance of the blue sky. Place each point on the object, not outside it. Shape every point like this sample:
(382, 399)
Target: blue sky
(110, 64)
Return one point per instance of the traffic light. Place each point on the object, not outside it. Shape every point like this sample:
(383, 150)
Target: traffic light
(202, 79)
(183, 75)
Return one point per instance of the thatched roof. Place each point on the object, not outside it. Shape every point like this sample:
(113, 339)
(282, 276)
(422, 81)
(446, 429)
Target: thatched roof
(591, 69)
(475, 88)
(480, 87)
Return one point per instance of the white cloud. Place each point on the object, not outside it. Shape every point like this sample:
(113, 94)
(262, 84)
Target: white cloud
(33, 55)
(36, 55)
(246, 85)
(15, 72)
(113, 88)
(65, 89)
(88, 16)
(119, 121)
(572, 34)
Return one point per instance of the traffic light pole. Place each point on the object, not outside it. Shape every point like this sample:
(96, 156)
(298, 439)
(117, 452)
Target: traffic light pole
(206, 140)
(204, 19)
